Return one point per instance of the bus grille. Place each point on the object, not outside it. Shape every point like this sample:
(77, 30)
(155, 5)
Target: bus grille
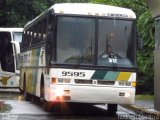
(99, 82)
(78, 81)
(102, 82)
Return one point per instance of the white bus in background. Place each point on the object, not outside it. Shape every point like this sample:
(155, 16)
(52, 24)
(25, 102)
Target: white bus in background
(10, 39)
(63, 57)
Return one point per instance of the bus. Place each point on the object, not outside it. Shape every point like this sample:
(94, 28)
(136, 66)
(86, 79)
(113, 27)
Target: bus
(80, 53)
(10, 39)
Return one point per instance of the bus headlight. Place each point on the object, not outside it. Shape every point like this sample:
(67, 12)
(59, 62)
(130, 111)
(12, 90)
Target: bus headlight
(127, 83)
(121, 83)
(63, 80)
(127, 95)
(124, 83)
(59, 92)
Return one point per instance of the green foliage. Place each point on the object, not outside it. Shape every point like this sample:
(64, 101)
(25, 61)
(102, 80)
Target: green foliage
(145, 97)
(18, 13)
(145, 58)
(39, 6)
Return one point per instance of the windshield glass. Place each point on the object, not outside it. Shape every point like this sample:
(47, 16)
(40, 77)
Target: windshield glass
(75, 40)
(115, 43)
(17, 36)
(102, 42)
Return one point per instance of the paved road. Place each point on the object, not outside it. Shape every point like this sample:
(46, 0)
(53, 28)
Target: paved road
(15, 108)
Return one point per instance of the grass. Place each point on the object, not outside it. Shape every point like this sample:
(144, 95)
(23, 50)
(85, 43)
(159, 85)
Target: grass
(145, 97)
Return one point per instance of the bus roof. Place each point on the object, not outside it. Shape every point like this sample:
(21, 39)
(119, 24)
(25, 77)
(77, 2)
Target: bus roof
(11, 29)
(87, 9)
(93, 9)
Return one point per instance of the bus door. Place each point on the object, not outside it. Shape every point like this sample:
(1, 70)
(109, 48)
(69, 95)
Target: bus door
(7, 67)
(17, 38)
(6, 52)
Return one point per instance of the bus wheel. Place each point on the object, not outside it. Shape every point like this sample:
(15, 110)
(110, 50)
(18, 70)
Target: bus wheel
(27, 96)
(47, 106)
(112, 109)
(21, 91)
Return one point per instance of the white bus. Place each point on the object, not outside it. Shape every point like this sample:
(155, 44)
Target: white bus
(63, 57)
(9, 57)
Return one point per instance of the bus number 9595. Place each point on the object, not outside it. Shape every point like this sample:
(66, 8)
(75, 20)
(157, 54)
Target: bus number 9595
(76, 74)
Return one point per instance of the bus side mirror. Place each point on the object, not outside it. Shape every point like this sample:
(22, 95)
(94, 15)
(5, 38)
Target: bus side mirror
(140, 43)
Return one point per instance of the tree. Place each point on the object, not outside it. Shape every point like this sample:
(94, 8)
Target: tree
(18, 13)
(145, 26)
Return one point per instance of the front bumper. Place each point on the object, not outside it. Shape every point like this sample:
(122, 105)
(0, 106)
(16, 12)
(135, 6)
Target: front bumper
(92, 94)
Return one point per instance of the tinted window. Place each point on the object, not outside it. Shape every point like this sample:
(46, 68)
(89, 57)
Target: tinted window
(75, 40)
(115, 43)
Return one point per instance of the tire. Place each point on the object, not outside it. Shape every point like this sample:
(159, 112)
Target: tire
(42, 96)
(27, 96)
(47, 106)
(21, 91)
(112, 109)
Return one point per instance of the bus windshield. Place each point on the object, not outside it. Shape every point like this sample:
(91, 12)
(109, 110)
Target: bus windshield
(115, 43)
(102, 42)
(75, 40)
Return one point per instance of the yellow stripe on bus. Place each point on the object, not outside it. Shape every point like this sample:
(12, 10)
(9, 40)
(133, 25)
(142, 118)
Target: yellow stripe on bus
(124, 76)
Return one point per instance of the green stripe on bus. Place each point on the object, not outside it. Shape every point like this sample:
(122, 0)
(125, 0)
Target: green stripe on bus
(111, 76)
(99, 75)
